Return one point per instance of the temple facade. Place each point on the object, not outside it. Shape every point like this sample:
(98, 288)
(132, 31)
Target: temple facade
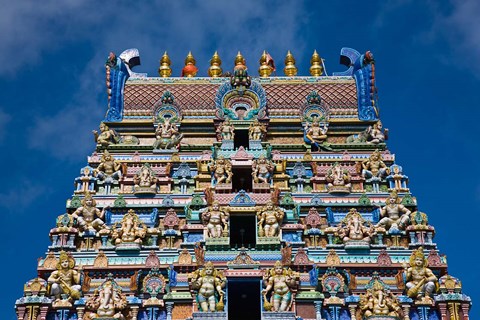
(241, 196)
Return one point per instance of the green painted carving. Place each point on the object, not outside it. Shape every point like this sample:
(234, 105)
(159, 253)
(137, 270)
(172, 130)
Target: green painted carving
(119, 202)
(75, 202)
(408, 200)
(364, 200)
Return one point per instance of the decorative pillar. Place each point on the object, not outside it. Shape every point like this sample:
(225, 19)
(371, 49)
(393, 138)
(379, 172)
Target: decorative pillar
(80, 312)
(134, 312)
(465, 309)
(453, 309)
(318, 310)
(406, 311)
(169, 307)
(353, 309)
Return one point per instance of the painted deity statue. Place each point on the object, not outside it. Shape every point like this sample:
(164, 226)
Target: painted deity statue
(216, 220)
(221, 170)
(269, 218)
(338, 177)
(106, 136)
(130, 230)
(208, 283)
(376, 134)
(256, 131)
(282, 282)
(107, 301)
(374, 167)
(355, 227)
(65, 280)
(89, 217)
(226, 130)
(315, 133)
(421, 282)
(145, 179)
(108, 171)
(394, 214)
(167, 135)
(262, 170)
(379, 301)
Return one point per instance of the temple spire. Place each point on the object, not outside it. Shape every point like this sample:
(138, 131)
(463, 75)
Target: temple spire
(165, 70)
(316, 68)
(290, 69)
(189, 70)
(215, 69)
(266, 65)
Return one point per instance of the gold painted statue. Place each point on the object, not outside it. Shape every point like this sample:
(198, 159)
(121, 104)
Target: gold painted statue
(130, 230)
(374, 167)
(108, 171)
(216, 220)
(262, 170)
(65, 280)
(209, 282)
(421, 282)
(394, 214)
(167, 135)
(269, 218)
(107, 301)
(226, 130)
(106, 137)
(89, 217)
(256, 131)
(355, 227)
(379, 301)
(375, 133)
(315, 133)
(282, 282)
(145, 179)
(222, 170)
(338, 177)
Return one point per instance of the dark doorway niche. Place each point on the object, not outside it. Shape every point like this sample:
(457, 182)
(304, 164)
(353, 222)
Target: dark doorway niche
(244, 299)
(243, 231)
(240, 139)
(242, 179)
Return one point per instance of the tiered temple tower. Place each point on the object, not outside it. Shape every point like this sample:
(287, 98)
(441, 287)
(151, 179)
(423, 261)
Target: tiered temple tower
(241, 197)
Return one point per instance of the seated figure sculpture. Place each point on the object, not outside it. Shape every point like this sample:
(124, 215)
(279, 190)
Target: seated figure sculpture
(316, 134)
(269, 218)
(226, 130)
(374, 170)
(89, 217)
(145, 180)
(221, 170)
(376, 134)
(256, 131)
(106, 137)
(355, 228)
(65, 280)
(262, 170)
(338, 179)
(216, 220)
(208, 282)
(421, 282)
(108, 171)
(130, 230)
(378, 301)
(167, 135)
(107, 302)
(395, 216)
(282, 282)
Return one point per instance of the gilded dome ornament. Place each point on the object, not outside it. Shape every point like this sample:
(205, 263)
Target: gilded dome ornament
(215, 69)
(165, 70)
(267, 66)
(290, 69)
(189, 70)
(316, 65)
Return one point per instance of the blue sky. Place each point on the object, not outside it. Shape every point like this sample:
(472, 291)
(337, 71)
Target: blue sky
(53, 94)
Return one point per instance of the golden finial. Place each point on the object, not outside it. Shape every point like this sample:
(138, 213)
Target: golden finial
(164, 70)
(240, 62)
(190, 70)
(316, 68)
(290, 70)
(266, 63)
(215, 70)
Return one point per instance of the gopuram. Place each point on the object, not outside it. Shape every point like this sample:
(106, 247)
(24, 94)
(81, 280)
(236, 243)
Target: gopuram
(237, 196)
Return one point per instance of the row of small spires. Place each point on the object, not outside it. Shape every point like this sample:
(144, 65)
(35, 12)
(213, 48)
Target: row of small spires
(267, 65)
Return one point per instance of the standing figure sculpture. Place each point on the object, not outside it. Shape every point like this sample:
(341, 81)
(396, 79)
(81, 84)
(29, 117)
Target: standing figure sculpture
(108, 171)
(65, 280)
(282, 282)
(374, 170)
(256, 131)
(208, 283)
(269, 218)
(216, 220)
(89, 217)
(221, 170)
(421, 282)
(262, 170)
(394, 215)
(106, 137)
(226, 130)
(107, 301)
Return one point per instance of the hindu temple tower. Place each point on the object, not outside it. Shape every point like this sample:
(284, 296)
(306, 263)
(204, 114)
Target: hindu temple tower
(242, 196)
